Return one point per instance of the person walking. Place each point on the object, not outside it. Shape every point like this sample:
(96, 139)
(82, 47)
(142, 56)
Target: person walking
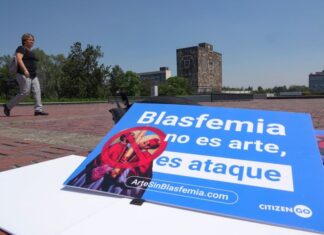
(26, 76)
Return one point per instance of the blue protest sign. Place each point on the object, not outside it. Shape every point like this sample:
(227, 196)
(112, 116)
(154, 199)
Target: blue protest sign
(251, 164)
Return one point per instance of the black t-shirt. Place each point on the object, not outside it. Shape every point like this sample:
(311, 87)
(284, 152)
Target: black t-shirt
(29, 60)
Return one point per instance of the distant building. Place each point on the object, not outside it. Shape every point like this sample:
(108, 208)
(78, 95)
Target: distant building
(316, 82)
(156, 77)
(202, 66)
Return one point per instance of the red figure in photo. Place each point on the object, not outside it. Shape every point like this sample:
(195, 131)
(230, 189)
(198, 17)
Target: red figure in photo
(129, 153)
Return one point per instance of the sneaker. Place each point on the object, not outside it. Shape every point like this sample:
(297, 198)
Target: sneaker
(6, 110)
(40, 113)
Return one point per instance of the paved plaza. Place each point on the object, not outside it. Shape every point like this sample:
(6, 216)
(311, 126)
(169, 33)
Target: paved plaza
(77, 128)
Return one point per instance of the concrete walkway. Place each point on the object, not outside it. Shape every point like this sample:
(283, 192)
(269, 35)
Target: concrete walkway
(76, 129)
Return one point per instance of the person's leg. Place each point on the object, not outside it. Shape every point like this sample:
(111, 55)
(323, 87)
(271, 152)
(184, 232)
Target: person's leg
(38, 97)
(24, 90)
(37, 94)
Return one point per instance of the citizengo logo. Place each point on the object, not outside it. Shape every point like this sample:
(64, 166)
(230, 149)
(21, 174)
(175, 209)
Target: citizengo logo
(303, 211)
(299, 210)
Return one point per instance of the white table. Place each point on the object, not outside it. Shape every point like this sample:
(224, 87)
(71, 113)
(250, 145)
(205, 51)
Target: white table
(33, 201)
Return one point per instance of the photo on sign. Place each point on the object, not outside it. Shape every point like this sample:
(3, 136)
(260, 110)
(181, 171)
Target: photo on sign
(320, 141)
(127, 155)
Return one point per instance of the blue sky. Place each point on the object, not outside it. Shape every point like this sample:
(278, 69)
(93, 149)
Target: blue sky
(263, 42)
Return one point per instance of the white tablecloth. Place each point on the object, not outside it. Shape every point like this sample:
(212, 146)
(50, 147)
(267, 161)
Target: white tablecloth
(33, 201)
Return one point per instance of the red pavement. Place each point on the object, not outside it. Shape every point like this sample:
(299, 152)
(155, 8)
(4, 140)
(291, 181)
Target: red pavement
(76, 129)
(69, 129)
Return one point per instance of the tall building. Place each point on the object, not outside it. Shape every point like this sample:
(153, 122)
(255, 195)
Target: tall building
(316, 82)
(202, 66)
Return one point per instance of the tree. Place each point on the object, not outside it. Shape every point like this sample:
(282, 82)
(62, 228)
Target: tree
(278, 89)
(298, 88)
(226, 88)
(133, 83)
(83, 77)
(54, 85)
(78, 76)
(128, 82)
(49, 72)
(8, 84)
(250, 88)
(260, 90)
(116, 81)
(175, 86)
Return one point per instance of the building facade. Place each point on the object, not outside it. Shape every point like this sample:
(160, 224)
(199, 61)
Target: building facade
(316, 82)
(156, 77)
(202, 66)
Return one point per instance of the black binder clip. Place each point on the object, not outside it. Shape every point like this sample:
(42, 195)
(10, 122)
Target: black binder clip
(137, 201)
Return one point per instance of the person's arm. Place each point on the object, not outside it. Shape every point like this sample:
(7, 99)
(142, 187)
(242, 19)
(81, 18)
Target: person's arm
(21, 64)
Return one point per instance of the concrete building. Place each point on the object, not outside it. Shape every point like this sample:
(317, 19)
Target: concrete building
(153, 79)
(156, 77)
(202, 66)
(316, 82)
